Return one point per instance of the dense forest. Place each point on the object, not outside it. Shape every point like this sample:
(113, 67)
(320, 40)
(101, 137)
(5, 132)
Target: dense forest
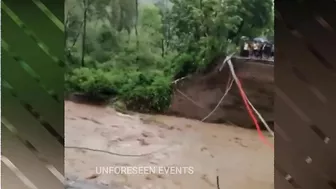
(132, 50)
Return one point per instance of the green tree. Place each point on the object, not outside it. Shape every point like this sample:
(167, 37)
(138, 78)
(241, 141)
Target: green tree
(133, 49)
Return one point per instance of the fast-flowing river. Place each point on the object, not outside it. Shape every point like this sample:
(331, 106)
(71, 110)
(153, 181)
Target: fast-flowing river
(235, 154)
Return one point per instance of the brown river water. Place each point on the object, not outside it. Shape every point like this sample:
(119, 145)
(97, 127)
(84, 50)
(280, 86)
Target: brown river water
(234, 154)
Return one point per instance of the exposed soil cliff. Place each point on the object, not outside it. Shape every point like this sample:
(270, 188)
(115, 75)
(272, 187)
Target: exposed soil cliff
(207, 89)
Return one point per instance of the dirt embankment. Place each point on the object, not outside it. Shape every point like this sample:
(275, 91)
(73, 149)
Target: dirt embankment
(206, 90)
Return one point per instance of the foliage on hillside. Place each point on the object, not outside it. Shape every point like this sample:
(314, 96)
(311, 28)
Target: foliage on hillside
(133, 51)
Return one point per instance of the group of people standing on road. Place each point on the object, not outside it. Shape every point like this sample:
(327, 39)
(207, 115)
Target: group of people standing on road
(257, 48)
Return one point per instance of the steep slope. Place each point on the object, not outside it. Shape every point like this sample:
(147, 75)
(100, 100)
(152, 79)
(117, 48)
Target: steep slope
(206, 90)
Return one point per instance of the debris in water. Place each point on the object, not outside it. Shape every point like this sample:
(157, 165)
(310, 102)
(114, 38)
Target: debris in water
(147, 134)
(204, 148)
(92, 120)
(188, 126)
(124, 115)
(160, 176)
(148, 177)
(207, 180)
(93, 176)
(143, 142)
(171, 128)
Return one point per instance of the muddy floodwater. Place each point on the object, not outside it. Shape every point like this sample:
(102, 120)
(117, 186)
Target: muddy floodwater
(235, 154)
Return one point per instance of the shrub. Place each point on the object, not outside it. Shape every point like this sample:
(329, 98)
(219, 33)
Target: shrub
(92, 82)
(149, 93)
(144, 92)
